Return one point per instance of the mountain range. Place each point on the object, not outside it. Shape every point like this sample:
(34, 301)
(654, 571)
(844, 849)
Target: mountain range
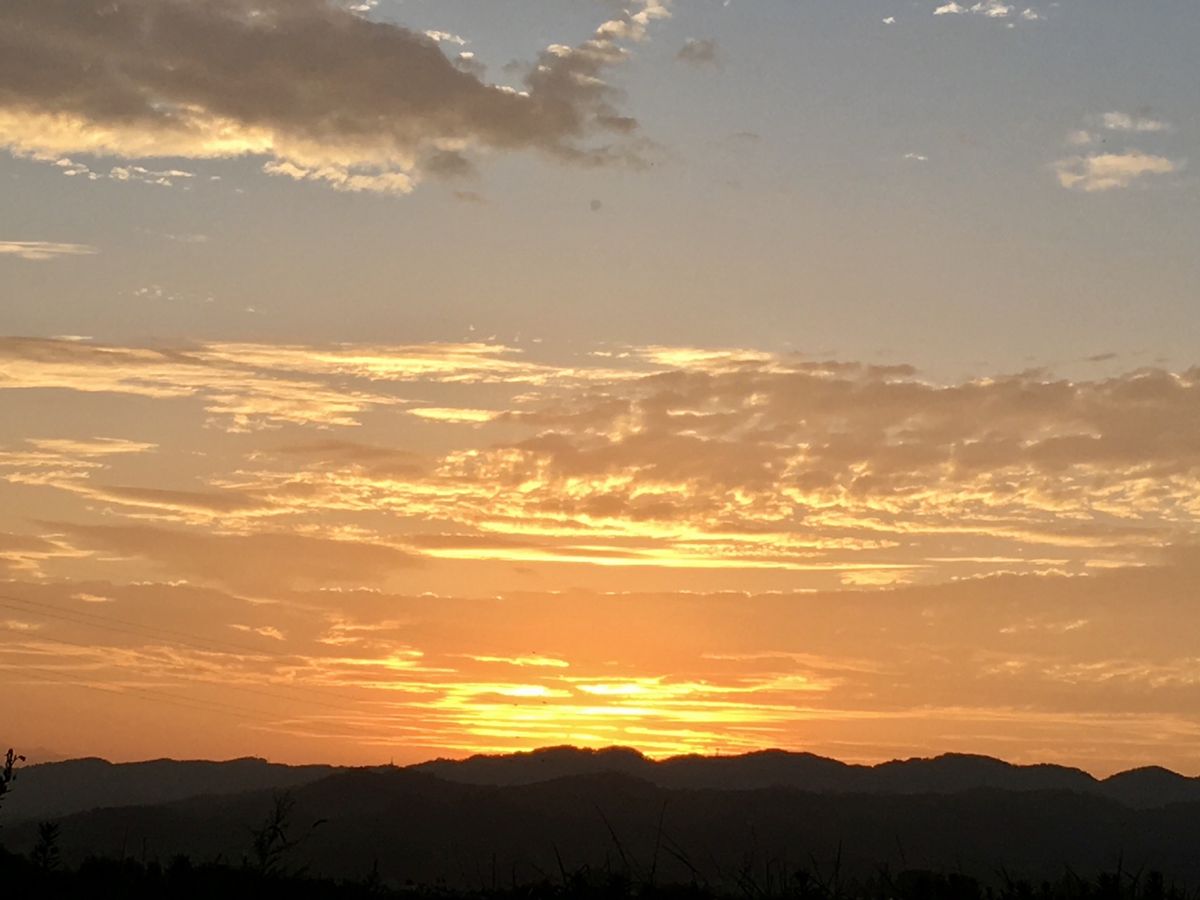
(950, 773)
(59, 789)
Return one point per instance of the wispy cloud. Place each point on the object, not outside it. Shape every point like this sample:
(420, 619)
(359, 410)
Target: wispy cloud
(1116, 167)
(453, 416)
(232, 392)
(42, 251)
(1111, 171)
(991, 9)
(1119, 121)
(130, 173)
(656, 457)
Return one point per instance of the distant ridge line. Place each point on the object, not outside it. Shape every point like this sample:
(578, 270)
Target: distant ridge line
(1146, 786)
(63, 788)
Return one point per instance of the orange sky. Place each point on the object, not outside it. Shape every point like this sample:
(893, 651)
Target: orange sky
(359, 553)
(381, 380)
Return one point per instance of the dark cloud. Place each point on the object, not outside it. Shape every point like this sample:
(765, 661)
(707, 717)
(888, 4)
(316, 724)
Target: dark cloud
(700, 52)
(449, 164)
(319, 91)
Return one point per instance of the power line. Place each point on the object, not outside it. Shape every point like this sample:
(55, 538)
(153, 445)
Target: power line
(110, 622)
(223, 685)
(150, 695)
(168, 636)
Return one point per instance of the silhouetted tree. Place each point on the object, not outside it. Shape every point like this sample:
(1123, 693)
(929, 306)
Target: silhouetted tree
(45, 853)
(8, 773)
(272, 841)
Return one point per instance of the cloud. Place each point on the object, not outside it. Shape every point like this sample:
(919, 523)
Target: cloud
(446, 37)
(1118, 121)
(449, 165)
(732, 461)
(459, 363)
(1006, 547)
(991, 9)
(41, 251)
(1111, 171)
(453, 416)
(70, 465)
(995, 9)
(647, 458)
(541, 662)
(246, 386)
(700, 52)
(1116, 168)
(160, 177)
(23, 554)
(232, 391)
(130, 173)
(315, 89)
(468, 62)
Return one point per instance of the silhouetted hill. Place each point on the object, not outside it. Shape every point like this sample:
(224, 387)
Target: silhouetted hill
(1151, 786)
(415, 826)
(61, 788)
(57, 789)
(960, 772)
(547, 763)
(948, 773)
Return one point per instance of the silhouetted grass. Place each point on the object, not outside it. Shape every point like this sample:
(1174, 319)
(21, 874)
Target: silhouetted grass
(113, 879)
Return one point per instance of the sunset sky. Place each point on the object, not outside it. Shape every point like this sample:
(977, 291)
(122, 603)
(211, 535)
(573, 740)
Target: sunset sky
(409, 378)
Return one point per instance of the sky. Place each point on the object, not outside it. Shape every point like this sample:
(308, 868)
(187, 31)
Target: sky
(399, 379)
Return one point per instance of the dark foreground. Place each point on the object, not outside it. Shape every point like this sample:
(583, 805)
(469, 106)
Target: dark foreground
(22, 878)
(559, 824)
(415, 828)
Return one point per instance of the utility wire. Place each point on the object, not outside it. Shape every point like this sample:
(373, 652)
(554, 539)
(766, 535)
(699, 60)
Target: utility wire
(168, 636)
